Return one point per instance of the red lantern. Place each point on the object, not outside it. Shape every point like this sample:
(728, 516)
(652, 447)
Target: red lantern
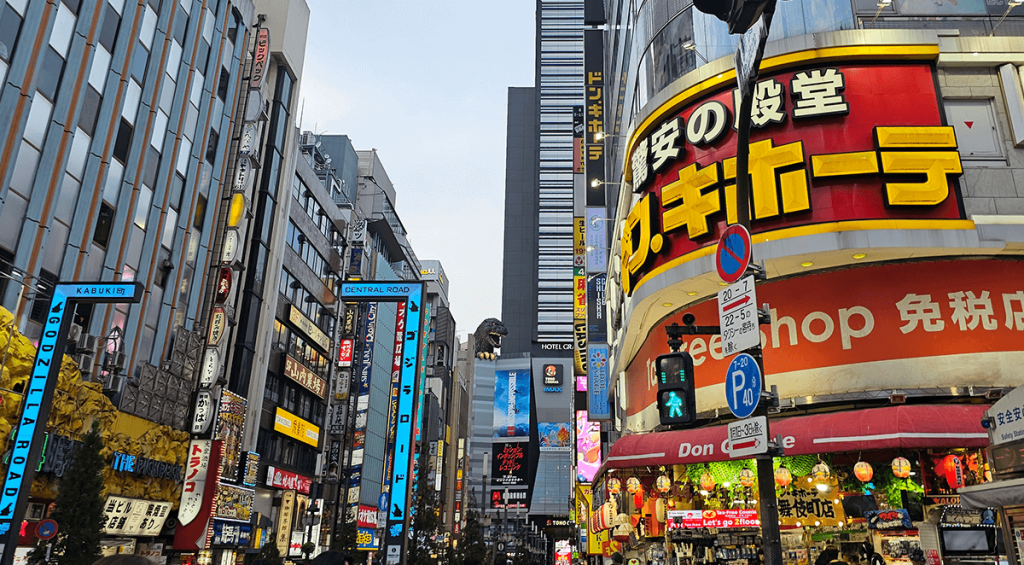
(954, 471)
(863, 471)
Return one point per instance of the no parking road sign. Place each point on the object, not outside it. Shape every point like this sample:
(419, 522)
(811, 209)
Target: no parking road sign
(733, 255)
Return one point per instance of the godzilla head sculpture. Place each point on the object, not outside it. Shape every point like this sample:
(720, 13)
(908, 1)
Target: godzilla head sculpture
(488, 336)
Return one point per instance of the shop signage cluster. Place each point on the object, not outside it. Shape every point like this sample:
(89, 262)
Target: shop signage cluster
(134, 517)
(738, 518)
(144, 466)
(851, 167)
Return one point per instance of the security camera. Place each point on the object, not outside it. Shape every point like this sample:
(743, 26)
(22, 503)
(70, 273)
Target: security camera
(988, 422)
(689, 319)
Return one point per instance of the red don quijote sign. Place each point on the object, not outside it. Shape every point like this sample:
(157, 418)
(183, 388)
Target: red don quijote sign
(833, 143)
(934, 324)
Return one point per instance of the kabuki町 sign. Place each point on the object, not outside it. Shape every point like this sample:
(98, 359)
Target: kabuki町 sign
(851, 142)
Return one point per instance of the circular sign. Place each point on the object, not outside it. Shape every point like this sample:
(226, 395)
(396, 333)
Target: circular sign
(743, 385)
(46, 529)
(733, 255)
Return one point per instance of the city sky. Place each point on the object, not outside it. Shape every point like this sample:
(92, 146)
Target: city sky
(425, 83)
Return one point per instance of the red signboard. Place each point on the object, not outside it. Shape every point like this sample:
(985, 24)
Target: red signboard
(259, 62)
(860, 141)
(195, 534)
(345, 352)
(287, 480)
(367, 517)
(845, 330)
(712, 519)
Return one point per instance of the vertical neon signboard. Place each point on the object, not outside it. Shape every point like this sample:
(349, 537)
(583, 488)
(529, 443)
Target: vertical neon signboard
(35, 411)
(411, 293)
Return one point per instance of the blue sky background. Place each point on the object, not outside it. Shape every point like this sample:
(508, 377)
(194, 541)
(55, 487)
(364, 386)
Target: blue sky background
(426, 84)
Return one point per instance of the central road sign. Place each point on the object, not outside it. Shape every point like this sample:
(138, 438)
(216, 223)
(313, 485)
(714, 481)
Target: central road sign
(733, 255)
(743, 385)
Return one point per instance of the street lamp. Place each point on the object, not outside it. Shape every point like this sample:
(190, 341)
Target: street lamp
(689, 45)
(598, 136)
(597, 182)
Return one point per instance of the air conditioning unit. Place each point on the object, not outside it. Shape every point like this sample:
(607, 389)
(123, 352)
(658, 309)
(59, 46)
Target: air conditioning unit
(119, 359)
(75, 333)
(86, 363)
(87, 343)
(113, 383)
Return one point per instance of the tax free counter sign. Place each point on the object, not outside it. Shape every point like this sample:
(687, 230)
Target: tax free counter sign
(829, 143)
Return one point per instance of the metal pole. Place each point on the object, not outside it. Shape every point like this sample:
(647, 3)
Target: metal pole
(770, 533)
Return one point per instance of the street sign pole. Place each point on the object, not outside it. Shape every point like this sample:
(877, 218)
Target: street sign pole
(748, 61)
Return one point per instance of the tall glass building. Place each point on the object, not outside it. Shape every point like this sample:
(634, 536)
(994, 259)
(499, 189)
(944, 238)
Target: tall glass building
(539, 186)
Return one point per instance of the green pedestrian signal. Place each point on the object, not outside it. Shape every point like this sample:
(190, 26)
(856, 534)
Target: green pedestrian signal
(676, 394)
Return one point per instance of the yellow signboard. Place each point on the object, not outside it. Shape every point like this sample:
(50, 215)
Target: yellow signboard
(803, 505)
(307, 326)
(294, 427)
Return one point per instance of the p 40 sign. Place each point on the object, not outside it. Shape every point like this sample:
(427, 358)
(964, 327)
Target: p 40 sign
(35, 411)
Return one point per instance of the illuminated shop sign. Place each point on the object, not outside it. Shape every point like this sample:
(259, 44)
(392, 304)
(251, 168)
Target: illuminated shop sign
(259, 63)
(307, 326)
(847, 319)
(148, 467)
(287, 480)
(234, 503)
(509, 463)
(308, 379)
(598, 384)
(831, 144)
(197, 466)
(134, 517)
(345, 348)
(739, 518)
(296, 428)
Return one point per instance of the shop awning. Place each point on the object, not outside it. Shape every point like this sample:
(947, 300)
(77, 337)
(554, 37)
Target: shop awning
(892, 427)
(993, 495)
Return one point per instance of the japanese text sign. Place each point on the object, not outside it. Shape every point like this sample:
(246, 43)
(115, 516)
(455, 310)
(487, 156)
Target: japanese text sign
(807, 506)
(852, 142)
(308, 379)
(736, 518)
(134, 517)
(294, 427)
(196, 468)
(287, 480)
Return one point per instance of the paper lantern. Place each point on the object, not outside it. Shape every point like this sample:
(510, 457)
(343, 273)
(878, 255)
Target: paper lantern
(663, 484)
(783, 477)
(614, 486)
(707, 482)
(633, 485)
(821, 473)
(746, 478)
(901, 467)
(954, 471)
(863, 471)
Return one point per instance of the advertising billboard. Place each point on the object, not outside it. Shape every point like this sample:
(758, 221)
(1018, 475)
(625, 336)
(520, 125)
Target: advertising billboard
(844, 331)
(598, 383)
(512, 403)
(509, 463)
(832, 142)
(588, 447)
(554, 436)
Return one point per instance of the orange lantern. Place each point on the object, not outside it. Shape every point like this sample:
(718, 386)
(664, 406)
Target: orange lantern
(707, 482)
(954, 471)
(746, 478)
(663, 484)
(901, 467)
(614, 486)
(863, 471)
(783, 477)
(632, 485)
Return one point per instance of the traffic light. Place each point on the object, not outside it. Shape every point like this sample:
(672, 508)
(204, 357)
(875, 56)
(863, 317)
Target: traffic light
(676, 402)
(739, 14)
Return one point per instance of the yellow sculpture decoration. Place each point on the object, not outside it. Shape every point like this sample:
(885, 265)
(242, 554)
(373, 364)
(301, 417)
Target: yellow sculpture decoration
(76, 405)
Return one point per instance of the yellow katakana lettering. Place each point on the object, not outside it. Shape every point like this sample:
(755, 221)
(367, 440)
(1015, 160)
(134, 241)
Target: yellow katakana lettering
(694, 206)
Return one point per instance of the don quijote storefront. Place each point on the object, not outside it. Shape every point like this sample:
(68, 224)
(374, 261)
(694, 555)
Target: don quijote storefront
(894, 319)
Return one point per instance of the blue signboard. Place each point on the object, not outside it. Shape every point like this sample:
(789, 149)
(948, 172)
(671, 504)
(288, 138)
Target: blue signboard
(743, 385)
(412, 294)
(598, 406)
(27, 442)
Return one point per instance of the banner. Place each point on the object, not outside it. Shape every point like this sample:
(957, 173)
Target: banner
(843, 328)
(598, 404)
(554, 436)
(588, 447)
(512, 403)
